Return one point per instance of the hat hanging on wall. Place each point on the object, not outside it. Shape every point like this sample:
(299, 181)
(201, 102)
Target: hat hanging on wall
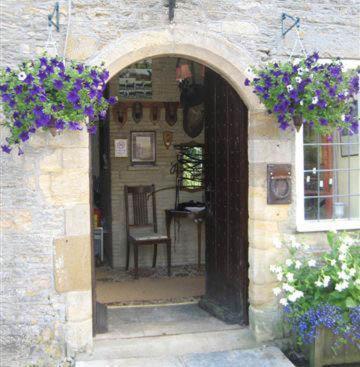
(154, 113)
(137, 112)
(171, 112)
(167, 138)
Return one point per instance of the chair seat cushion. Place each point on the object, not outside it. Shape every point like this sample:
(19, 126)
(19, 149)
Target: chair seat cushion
(148, 237)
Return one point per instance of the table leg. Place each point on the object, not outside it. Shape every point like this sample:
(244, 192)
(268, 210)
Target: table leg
(199, 244)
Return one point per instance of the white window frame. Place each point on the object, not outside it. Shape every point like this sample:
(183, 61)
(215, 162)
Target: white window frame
(319, 225)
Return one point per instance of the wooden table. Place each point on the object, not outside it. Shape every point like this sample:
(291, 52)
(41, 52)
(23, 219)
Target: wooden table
(197, 217)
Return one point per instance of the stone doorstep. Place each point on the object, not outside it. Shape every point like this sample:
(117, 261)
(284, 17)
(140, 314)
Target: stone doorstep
(256, 357)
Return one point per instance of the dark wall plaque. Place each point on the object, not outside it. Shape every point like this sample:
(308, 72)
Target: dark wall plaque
(279, 184)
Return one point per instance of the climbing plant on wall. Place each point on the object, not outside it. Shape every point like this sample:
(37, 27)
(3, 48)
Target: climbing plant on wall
(309, 92)
(49, 94)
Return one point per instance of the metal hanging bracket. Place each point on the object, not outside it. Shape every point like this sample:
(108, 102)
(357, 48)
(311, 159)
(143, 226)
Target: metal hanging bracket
(56, 14)
(296, 23)
(171, 5)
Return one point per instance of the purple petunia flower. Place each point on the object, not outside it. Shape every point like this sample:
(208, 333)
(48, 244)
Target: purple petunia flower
(104, 76)
(80, 68)
(24, 135)
(78, 84)
(8, 70)
(12, 103)
(334, 71)
(60, 124)
(93, 74)
(91, 129)
(311, 107)
(73, 97)
(42, 75)
(29, 79)
(259, 89)
(89, 111)
(112, 100)
(102, 114)
(17, 123)
(6, 149)
(43, 61)
(61, 66)
(322, 103)
(32, 129)
(92, 93)
(49, 69)
(247, 82)
(43, 120)
(58, 84)
(6, 97)
(293, 94)
(38, 110)
(18, 89)
(3, 87)
(42, 98)
(74, 125)
(323, 121)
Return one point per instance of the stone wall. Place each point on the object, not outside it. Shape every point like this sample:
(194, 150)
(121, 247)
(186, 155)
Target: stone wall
(165, 89)
(41, 198)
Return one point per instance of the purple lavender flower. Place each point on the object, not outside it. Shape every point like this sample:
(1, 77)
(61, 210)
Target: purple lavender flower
(58, 84)
(73, 97)
(6, 149)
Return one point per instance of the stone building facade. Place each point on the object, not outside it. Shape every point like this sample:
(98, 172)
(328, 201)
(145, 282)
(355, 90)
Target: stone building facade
(45, 215)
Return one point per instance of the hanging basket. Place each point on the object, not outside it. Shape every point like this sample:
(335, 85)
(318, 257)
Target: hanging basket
(298, 121)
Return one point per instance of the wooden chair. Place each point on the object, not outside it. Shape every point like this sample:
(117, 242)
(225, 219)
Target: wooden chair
(142, 231)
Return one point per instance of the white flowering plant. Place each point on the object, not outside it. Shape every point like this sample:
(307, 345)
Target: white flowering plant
(321, 291)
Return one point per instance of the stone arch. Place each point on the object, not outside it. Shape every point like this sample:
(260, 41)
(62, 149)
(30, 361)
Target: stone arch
(228, 60)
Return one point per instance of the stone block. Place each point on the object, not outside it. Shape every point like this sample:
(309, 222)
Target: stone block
(239, 27)
(70, 186)
(261, 294)
(259, 264)
(274, 151)
(260, 210)
(78, 336)
(51, 162)
(77, 220)
(266, 323)
(262, 233)
(78, 306)
(68, 139)
(15, 219)
(89, 45)
(72, 264)
(257, 174)
(76, 158)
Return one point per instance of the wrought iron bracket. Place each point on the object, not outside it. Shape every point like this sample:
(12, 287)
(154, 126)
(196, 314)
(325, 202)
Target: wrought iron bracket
(171, 5)
(296, 23)
(56, 14)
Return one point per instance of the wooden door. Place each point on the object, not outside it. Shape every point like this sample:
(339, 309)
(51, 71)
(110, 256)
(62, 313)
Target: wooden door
(226, 178)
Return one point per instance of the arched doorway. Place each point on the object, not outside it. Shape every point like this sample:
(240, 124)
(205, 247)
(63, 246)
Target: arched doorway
(225, 191)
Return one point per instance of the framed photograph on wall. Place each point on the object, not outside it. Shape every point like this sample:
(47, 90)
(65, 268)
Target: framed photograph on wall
(143, 147)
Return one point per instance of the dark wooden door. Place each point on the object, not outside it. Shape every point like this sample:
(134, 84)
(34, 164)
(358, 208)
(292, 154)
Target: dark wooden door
(226, 173)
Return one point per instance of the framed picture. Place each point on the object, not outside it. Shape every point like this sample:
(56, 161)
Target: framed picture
(135, 82)
(121, 148)
(143, 147)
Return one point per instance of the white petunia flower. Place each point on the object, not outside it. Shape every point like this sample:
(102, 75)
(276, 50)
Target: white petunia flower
(288, 262)
(300, 71)
(287, 287)
(326, 280)
(318, 283)
(22, 76)
(297, 264)
(315, 100)
(298, 79)
(273, 268)
(346, 93)
(352, 272)
(279, 277)
(342, 257)
(283, 301)
(277, 291)
(301, 103)
(290, 277)
(312, 263)
(332, 262)
(289, 88)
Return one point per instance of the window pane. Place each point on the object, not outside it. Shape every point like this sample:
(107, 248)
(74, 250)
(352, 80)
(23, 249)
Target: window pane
(354, 207)
(326, 208)
(311, 209)
(310, 157)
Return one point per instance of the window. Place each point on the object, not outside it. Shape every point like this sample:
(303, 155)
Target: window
(328, 181)
(191, 166)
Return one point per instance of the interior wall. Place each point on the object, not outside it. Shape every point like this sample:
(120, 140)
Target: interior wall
(184, 250)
